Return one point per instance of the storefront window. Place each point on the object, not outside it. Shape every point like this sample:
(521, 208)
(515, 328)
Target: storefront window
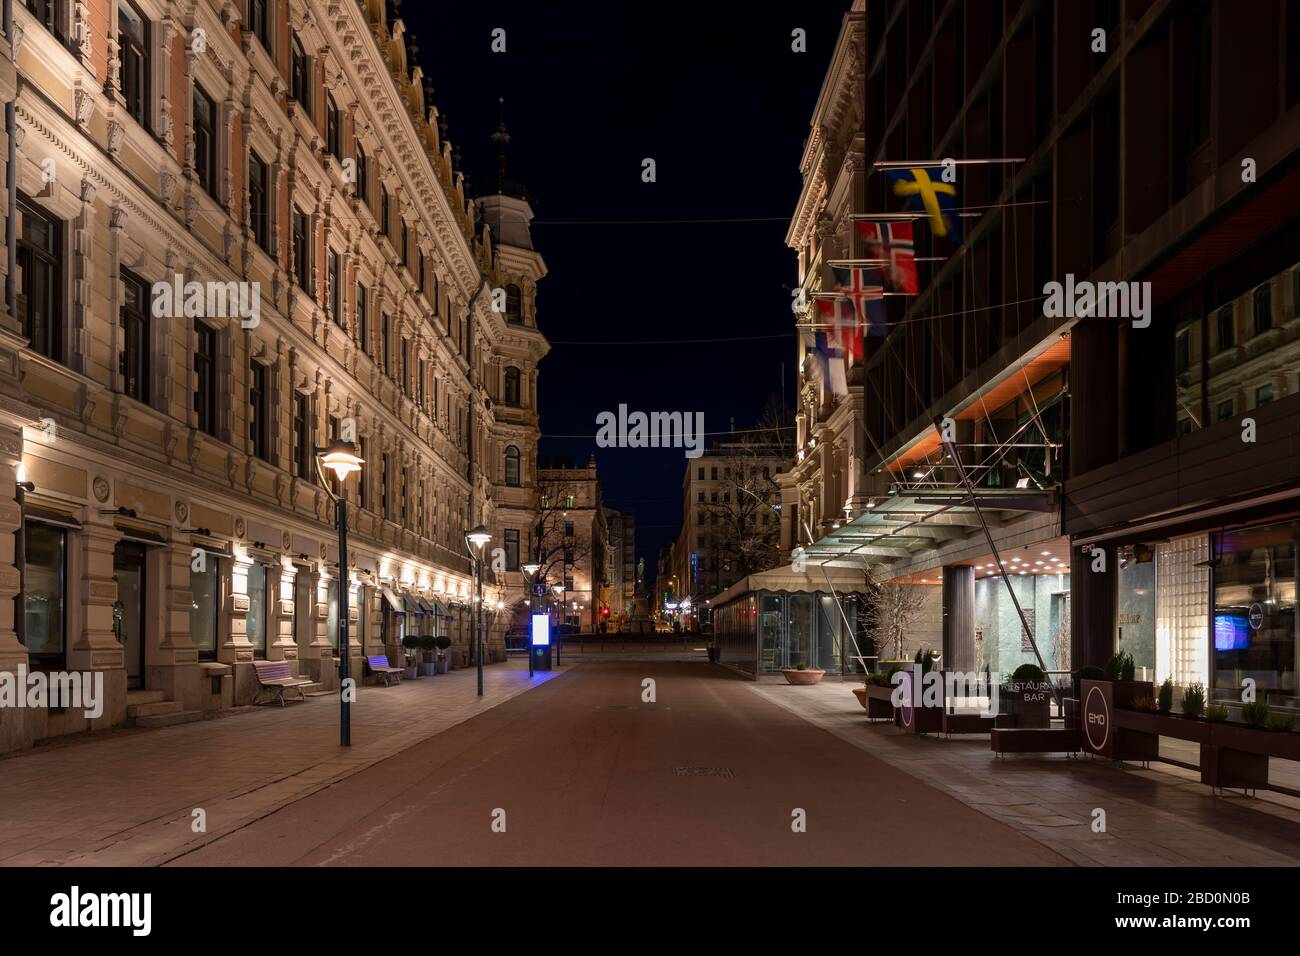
(800, 630)
(204, 588)
(771, 615)
(43, 582)
(1136, 614)
(255, 619)
(1254, 625)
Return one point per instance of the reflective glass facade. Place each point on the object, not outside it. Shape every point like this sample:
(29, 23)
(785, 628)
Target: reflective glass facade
(766, 631)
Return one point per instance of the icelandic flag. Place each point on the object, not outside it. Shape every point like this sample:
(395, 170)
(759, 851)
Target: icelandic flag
(929, 194)
(832, 363)
(891, 243)
(866, 290)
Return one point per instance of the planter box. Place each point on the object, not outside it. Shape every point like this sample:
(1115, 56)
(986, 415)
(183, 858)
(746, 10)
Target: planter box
(410, 673)
(1098, 702)
(877, 702)
(1236, 755)
(1028, 707)
(916, 719)
(1163, 725)
(802, 678)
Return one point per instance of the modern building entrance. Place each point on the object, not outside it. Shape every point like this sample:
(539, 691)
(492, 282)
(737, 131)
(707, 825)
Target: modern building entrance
(129, 612)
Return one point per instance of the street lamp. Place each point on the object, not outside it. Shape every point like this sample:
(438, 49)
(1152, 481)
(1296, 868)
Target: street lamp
(476, 539)
(341, 458)
(530, 574)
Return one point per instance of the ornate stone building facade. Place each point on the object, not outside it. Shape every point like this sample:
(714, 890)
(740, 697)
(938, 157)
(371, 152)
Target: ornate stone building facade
(169, 526)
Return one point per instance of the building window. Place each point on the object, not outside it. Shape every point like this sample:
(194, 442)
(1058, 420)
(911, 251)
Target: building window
(568, 529)
(512, 466)
(363, 320)
(259, 426)
(259, 210)
(713, 473)
(420, 372)
(514, 304)
(363, 177)
(1224, 411)
(259, 23)
(568, 582)
(512, 386)
(302, 436)
(205, 377)
(1263, 395)
(135, 337)
(44, 594)
(1226, 328)
(133, 50)
(336, 289)
(406, 366)
(301, 250)
(363, 496)
(402, 499)
(385, 499)
(404, 245)
(383, 209)
(300, 75)
(205, 605)
(512, 549)
(333, 138)
(385, 344)
(255, 618)
(40, 264)
(1262, 302)
(205, 141)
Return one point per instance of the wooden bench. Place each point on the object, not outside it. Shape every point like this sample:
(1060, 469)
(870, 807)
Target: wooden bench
(1033, 740)
(275, 677)
(380, 667)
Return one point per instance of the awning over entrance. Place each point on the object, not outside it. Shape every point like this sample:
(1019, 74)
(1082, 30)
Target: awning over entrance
(393, 602)
(811, 579)
(902, 527)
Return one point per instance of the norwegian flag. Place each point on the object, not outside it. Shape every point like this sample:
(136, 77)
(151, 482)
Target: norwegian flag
(891, 242)
(866, 290)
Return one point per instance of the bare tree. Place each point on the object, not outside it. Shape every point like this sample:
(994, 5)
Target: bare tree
(553, 547)
(890, 613)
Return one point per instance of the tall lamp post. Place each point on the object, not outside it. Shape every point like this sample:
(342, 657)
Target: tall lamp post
(476, 539)
(558, 589)
(341, 458)
(530, 575)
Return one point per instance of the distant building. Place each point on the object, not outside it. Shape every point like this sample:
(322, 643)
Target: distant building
(574, 540)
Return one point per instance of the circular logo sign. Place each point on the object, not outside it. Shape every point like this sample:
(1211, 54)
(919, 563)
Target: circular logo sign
(1256, 617)
(906, 684)
(1096, 719)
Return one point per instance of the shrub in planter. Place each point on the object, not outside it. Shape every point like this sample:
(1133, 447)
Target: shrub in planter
(442, 642)
(1120, 667)
(1216, 713)
(1280, 721)
(1165, 700)
(1028, 672)
(1090, 672)
(427, 665)
(1194, 700)
(1255, 714)
(925, 659)
(1145, 704)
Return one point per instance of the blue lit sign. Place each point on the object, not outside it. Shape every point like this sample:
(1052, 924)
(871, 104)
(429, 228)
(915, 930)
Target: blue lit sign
(541, 630)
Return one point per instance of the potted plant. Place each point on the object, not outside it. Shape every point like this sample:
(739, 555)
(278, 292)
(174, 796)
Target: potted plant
(1028, 696)
(411, 643)
(1194, 702)
(442, 642)
(802, 675)
(427, 645)
(713, 652)
(876, 694)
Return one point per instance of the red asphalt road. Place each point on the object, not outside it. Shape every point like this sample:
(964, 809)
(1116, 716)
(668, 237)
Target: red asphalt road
(584, 772)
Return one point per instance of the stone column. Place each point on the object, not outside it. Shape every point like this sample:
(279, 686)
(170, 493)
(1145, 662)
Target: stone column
(1092, 606)
(958, 617)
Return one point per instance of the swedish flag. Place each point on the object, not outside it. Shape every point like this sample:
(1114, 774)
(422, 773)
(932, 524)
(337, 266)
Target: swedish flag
(928, 193)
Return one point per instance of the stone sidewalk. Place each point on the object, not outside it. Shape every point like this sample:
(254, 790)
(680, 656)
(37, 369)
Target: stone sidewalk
(1162, 816)
(129, 797)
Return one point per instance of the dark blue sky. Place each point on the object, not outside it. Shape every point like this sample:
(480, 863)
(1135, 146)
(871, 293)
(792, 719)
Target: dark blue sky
(712, 92)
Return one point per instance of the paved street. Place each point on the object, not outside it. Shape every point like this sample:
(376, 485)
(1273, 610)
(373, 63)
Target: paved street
(587, 773)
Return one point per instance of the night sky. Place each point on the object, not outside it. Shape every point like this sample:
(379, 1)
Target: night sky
(713, 93)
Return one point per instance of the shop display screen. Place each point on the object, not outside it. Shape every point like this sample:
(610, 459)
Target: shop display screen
(1231, 632)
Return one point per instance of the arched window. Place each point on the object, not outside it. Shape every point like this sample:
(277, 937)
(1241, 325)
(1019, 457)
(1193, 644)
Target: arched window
(512, 386)
(512, 466)
(514, 304)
